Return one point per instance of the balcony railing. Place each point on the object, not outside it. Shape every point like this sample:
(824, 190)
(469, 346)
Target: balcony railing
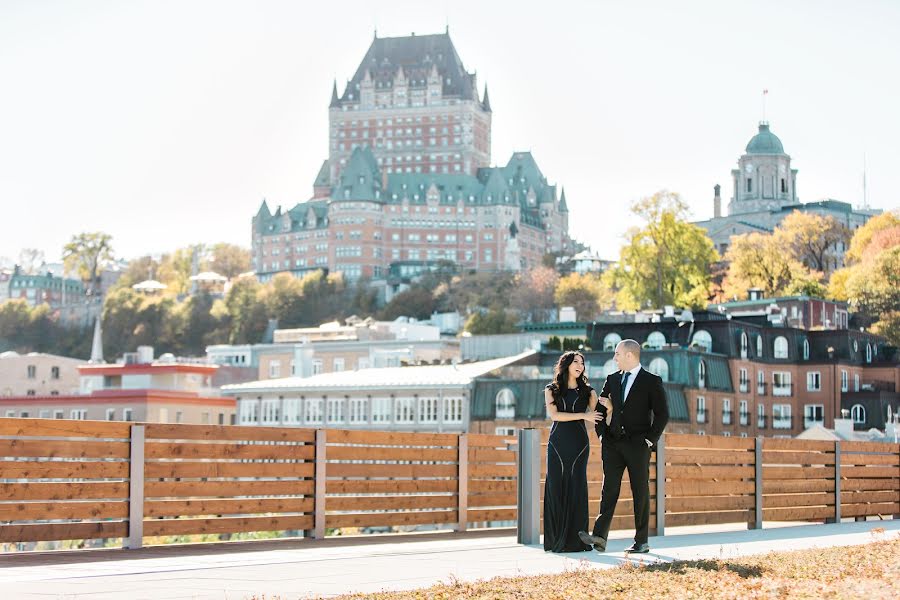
(762, 421)
(744, 418)
(744, 386)
(784, 389)
(701, 415)
(726, 417)
(760, 389)
(783, 422)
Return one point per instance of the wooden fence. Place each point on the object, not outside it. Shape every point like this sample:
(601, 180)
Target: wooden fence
(90, 480)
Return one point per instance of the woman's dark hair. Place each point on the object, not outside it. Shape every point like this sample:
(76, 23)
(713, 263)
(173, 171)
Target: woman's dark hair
(560, 382)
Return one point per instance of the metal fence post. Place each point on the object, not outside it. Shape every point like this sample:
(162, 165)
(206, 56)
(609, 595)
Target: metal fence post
(837, 484)
(135, 537)
(462, 490)
(527, 488)
(319, 503)
(758, 484)
(661, 487)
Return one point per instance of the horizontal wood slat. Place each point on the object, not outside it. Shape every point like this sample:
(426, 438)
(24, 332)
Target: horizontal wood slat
(63, 531)
(57, 469)
(155, 527)
(394, 503)
(397, 486)
(392, 453)
(64, 491)
(390, 438)
(228, 489)
(51, 511)
(63, 449)
(176, 450)
(159, 470)
(243, 506)
(393, 470)
(64, 428)
(390, 519)
(179, 431)
(683, 440)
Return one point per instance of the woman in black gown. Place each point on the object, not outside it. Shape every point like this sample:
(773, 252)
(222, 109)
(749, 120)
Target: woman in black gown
(571, 405)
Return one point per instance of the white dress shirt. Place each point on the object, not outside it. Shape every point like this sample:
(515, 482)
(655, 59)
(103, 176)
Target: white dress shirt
(633, 374)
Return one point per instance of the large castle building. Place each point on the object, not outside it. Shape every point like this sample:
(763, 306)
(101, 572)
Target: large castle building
(408, 183)
(764, 192)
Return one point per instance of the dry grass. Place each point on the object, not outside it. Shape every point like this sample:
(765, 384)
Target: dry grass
(871, 571)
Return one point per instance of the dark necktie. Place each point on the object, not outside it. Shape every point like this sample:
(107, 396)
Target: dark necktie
(624, 385)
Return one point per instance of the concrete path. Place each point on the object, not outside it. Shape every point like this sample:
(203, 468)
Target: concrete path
(292, 569)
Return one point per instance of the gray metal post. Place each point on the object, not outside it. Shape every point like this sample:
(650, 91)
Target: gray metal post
(135, 537)
(661, 487)
(527, 488)
(837, 484)
(319, 503)
(462, 500)
(758, 484)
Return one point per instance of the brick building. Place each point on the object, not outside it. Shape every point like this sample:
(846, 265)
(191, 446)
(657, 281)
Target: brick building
(408, 183)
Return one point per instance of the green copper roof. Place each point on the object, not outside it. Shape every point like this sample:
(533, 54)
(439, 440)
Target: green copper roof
(765, 142)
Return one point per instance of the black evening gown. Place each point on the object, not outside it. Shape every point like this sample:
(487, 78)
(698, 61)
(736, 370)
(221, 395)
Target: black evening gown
(565, 488)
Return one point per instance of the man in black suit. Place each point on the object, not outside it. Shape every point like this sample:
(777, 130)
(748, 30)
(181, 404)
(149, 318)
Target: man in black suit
(635, 412)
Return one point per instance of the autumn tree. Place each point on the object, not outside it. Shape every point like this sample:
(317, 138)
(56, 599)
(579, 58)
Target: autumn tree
(533, 295)
(87, 254)
(757, 260)
(812, 240)
(492, 322)
(415, 302)
(667, 261)
(862, 237)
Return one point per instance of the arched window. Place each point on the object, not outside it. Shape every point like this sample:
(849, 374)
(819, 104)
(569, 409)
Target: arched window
(609, 367)
(660, 367)
(506, 404)
(745, 344)
(780, 347)
(703, 340)
(759, 346)
(858, 413)
(805, 349)
(868, 352)
(656, 340)
(701, 374)
(611, 340)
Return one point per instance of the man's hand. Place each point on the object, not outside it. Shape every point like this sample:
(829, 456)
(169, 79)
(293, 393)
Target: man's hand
(607, 404)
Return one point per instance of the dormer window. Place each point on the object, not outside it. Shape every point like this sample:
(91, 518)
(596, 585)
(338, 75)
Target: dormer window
(362, 179)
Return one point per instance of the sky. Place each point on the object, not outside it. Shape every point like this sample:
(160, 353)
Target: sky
(166, 123)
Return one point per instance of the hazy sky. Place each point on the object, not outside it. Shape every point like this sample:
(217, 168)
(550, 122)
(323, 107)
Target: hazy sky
(166, 123)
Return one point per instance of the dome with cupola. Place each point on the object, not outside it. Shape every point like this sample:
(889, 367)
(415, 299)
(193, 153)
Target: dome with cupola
(765, 142)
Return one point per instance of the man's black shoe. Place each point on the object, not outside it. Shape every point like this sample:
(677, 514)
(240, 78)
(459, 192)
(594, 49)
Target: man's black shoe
(636, 548)
(596, 541)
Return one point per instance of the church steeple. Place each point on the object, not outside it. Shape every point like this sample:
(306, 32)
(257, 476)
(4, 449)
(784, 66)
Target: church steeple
(563, 207)
(486, 102)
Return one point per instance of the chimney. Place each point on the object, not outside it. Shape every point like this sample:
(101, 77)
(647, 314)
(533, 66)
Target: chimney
(843, 427)
(755, 294)
(717, 202)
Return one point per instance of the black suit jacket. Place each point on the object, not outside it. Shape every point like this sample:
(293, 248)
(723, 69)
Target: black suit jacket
(644, 413)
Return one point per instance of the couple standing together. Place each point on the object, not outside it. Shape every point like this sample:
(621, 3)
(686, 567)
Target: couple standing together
(629, 416)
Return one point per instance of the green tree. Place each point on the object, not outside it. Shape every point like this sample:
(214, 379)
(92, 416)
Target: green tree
(492, 322)
(415, 302)
(246, 311)
(175, 270)
(87, 254)
(667, 261)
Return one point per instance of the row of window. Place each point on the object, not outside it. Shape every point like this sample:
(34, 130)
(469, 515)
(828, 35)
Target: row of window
(813, 414)
(31, 372)
(340, 410)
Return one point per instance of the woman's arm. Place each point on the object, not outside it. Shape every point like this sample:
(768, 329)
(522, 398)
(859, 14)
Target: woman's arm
(591, 416)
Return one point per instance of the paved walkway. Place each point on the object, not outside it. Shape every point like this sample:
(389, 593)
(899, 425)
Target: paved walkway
(292, 569)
